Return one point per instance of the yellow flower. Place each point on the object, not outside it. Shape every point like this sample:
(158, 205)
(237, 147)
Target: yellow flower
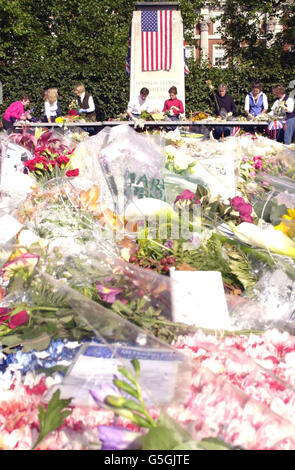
(288, 227)
(60, 119)
(291, 215)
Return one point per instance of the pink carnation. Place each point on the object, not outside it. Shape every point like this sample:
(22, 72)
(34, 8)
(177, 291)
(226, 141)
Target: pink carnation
(243, 208)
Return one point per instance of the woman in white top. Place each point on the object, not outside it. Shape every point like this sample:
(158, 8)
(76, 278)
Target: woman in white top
(51, 105)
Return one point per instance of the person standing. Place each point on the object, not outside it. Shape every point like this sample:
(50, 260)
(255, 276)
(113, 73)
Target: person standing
(85, 103)
(256, 101)
(224, 106)
(16, 111)
(284, 104)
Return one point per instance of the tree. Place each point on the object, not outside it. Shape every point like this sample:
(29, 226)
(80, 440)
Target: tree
(61, 42)
(245, 31)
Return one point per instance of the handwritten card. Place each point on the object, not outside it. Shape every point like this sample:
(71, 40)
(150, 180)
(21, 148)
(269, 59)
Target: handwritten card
(218, 174)
(198, 299)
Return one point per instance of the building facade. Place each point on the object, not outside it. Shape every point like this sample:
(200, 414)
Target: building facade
(207, 38)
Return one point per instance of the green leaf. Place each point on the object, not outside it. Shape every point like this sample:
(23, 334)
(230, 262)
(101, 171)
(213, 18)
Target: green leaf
(127, 374)
(166, 435)
(136, 366)
(121, 402)
(53, 417)
(211, 443)
(122, 385)
(276, 214)
(160, 438)
(39, 343)
(189, 445)
(241, 267)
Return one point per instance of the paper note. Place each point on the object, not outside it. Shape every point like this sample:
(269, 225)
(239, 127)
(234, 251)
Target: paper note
(13, 159)
(96, 365)
(198, 299)
(9, 228)
(218, 174)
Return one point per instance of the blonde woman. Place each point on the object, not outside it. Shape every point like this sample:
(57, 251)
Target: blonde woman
(51, 105)
(85, 103)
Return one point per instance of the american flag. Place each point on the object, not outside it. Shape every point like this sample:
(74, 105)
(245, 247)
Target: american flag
(156, 39)
(186, 69)
(128, 53)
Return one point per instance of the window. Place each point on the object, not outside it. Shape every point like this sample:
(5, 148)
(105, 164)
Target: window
(219, 56)
(216, 26)
(189, 52)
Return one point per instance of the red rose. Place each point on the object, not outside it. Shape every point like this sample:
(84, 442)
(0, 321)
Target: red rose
(73, 112)
(18, 319)
(72, 172)
(4, 314)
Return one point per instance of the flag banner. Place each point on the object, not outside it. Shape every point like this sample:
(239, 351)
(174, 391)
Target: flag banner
(186, 69)
(156, 40)
(275, 125)
(235, 131)
(128, 53)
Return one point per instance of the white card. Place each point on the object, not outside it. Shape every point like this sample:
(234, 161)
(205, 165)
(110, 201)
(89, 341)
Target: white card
(198, 299)
(9, 227)
(96, 364)
(13, 159)
(219, 174)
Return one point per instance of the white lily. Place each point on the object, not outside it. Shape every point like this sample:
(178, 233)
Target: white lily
(149, 207)
(27, 238)
(265, 237)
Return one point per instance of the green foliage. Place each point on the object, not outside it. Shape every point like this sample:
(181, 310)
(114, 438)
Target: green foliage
(163, 434)
(270, 211)
(238, 78)
(53, 417)
(62, 42)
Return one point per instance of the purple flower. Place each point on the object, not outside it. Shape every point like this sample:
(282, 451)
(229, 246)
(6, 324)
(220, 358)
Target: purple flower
(169, 243)
(108, 294)
(101, 392)
(115, 438)
(196, 239)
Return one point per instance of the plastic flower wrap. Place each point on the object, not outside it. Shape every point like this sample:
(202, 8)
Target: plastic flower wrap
(70, 216)
(132, 167)
(198, 405)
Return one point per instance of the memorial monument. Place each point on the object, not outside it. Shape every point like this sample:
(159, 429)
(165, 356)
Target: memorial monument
(157, 51)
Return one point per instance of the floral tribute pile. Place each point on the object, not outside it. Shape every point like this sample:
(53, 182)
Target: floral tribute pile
(98, 232)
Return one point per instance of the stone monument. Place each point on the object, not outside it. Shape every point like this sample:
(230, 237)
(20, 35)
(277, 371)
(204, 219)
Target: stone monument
(157, 81)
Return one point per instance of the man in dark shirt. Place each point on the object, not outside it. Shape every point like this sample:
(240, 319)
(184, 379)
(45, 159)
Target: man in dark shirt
(224, 104)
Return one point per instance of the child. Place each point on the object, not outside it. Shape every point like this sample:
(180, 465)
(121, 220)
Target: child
(85, 103)
(173, 105)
